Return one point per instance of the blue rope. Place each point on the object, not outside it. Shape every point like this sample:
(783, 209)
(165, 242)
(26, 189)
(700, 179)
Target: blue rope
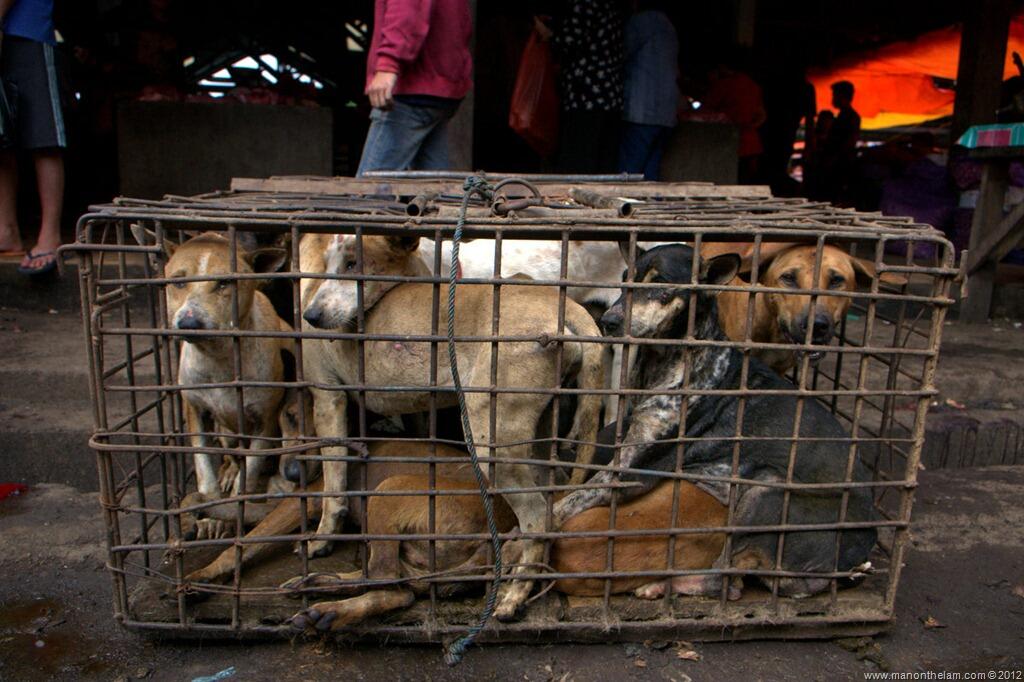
(457, 649)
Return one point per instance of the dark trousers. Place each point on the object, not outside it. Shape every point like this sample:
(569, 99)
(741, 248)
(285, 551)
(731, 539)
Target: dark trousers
(641, 149)
(589, 141)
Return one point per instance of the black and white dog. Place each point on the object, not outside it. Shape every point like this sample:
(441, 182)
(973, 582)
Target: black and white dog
(768, 422)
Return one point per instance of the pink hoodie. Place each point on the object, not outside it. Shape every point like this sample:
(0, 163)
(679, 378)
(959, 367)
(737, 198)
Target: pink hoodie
(426, 42)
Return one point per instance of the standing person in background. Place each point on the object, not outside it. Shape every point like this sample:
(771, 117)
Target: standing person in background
(589, 42)
(651, 94)
(733, 93)
(28, 66)
(839, 153)
(789, 102)
(417, 72)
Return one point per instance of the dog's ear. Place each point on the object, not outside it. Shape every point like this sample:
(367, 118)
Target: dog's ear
(146, 237)
(267, 259)
(246, 241)
(624, 250)
(866, 272)
(769, 251)
(405, 243)
(720, 269)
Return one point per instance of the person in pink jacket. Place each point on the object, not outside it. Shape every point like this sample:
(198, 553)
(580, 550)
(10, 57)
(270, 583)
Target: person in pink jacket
(418, 70)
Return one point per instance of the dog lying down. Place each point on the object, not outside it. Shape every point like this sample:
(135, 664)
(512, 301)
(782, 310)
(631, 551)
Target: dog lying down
(821, 456)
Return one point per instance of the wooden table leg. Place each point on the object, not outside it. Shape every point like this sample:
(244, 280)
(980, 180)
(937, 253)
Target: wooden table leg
(976, 308)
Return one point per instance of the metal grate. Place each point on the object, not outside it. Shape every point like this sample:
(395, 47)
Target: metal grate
(876, 379)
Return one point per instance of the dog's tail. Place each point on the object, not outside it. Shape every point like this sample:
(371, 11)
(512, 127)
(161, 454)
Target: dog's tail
(593, 369)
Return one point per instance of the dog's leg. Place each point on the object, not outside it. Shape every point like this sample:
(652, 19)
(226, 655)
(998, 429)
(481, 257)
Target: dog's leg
(646, 426)
(611, 405)
(284, 518)
(254, 465)
(332, 615)
(206, 467)
(331, 419)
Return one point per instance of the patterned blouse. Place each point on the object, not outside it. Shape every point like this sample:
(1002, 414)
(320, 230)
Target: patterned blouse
(589, 39)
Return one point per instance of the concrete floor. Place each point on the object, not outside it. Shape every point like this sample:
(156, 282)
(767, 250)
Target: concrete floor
(965, 568)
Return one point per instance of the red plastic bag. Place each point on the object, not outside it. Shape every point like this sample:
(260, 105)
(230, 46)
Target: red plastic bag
(534, 110)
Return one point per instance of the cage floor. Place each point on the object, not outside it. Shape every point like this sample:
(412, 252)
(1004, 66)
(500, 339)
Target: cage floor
(152, 604)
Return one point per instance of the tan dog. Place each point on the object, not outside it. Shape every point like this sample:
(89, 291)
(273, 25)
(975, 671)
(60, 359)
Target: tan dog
(207, 305)
(405, 310)
(408, 514)
(785, 318)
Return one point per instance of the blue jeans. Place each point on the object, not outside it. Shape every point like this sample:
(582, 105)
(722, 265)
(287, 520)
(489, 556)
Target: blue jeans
(641, 148)
(407, 137)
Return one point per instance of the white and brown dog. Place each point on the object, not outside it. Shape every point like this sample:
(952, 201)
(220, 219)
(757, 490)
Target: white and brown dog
(405, 309)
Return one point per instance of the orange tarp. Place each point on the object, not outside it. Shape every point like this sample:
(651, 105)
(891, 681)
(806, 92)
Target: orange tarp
(895, 82)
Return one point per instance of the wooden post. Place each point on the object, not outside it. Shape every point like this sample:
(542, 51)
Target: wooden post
(976, 308)
(986, 29)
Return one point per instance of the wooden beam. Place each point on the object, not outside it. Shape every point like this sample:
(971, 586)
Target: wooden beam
(995, 245)
(986, 29)
(403, 187)
(988, 214)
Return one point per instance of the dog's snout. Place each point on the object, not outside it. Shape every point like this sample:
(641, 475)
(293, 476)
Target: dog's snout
(293, 470)
(189, 321)
(314, 315)
(822, 332)
(612, 320)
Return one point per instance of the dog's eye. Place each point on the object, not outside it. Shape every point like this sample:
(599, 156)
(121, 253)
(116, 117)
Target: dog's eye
(788, 279)
(349, 264)
(222, 285)
(178, 285)
(665, 295)
(836, 282)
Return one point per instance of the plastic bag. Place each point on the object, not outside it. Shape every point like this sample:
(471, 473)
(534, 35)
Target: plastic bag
(533, 114)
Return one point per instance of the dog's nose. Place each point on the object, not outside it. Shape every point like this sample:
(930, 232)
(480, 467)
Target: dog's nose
(293, 470)
(822, 332)
(611, 321)
(313, 315)
(190, 322)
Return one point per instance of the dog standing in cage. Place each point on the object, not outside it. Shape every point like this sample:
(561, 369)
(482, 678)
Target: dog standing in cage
(404, 309)
(206, 305)
(775, 453)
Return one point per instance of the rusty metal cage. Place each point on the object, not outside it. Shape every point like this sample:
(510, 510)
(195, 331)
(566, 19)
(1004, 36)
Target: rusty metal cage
(876, 379)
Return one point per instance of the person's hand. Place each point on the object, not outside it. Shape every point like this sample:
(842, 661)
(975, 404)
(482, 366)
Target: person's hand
(381, 90)
(541, 28)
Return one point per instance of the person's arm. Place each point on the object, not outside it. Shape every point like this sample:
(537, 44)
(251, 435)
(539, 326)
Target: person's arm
(405, 27)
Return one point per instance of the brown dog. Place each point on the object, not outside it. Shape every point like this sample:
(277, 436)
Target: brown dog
(785, 318)
(393, 559)
(206, 306)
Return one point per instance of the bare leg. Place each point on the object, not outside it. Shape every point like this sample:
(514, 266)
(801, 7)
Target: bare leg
(50, 183)
(10, 239)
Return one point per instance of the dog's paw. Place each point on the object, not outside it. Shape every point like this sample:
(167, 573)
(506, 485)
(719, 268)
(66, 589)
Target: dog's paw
(512, 600)
(313, 620)
(655, 590)
(227, 476)
(214, 529)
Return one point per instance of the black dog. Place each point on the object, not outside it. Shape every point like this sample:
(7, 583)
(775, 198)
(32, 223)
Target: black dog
(663, 313)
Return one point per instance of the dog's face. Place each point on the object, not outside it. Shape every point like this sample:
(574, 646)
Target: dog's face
(291, 423)
(207, 304)
(335, 304)
(793, 268)
(657, 312)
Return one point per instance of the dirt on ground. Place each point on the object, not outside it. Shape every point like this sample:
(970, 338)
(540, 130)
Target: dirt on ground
(960, 607)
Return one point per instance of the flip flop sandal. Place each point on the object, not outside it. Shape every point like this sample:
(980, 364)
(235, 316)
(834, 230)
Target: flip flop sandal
(48, 266)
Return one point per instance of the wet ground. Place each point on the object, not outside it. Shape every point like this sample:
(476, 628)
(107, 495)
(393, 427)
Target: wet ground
(960, 607)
